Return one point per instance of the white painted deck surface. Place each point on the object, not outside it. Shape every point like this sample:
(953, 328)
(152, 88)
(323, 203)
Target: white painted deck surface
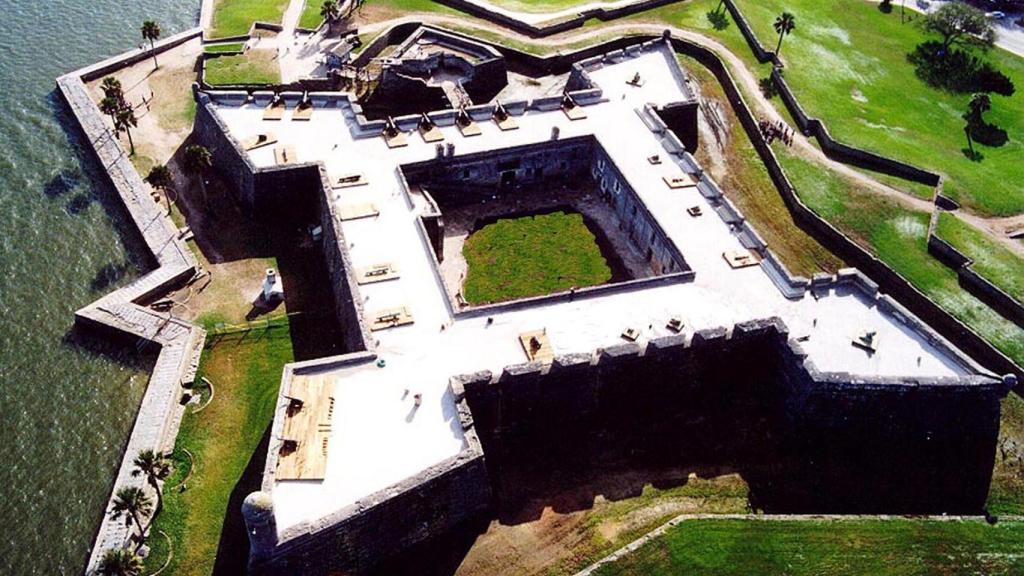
(377, 444)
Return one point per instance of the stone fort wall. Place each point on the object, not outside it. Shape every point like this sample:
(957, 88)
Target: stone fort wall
(746, 401)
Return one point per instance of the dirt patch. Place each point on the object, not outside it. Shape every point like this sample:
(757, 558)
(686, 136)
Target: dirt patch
(162, 99)
(564, 542)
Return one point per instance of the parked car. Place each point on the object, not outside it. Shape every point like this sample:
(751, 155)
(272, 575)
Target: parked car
(996, 15)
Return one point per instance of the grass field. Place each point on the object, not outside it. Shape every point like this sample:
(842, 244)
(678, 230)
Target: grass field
(893, 547)
(246, 371)
(992, 260)
(846, 62)
(531, 256)
(254, 67)
(310, 17)
(235, 17)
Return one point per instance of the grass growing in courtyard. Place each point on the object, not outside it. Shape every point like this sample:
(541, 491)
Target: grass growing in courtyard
(992, 260)
(892, 547)
(846, 62)
(254, 67)
(531, 256)
(245, 369)
(235, 17)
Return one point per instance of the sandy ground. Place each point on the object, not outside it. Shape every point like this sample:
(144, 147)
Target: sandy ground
(162, 99)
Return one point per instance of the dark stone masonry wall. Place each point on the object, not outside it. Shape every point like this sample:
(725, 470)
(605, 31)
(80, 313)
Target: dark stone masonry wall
(804, 441)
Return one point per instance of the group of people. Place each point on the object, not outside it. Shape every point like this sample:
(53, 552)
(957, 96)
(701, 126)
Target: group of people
(777, 130)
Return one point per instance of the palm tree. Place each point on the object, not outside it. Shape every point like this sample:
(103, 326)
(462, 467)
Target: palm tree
(197, 161)
(155, 467)
(784, 24)
(330, 12)
(160, 178)
(111, 105)
(132, 503)
(119, 562)
(151, 32)
(112, 88)
(124, 121)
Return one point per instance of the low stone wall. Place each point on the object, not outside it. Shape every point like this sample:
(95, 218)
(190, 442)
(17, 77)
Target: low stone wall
(550, 28)
(742, 400)
(760, 52)
(123, 311)
(844, 152)
(996, 298)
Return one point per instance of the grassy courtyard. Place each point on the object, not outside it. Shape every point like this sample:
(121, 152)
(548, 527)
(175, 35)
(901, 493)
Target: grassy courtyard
(255, 67)
(847, 63)
(235, 17)
(893, 547)
(992, 260)
(202, 520)
(531, 256)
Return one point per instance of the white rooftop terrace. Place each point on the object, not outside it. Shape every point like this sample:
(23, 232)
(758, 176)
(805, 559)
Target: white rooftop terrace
(376, 441)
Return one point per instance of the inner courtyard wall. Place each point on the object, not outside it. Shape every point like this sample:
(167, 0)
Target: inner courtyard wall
(477, 178)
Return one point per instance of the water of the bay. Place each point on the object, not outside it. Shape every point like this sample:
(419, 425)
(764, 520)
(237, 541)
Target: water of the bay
(66, 408)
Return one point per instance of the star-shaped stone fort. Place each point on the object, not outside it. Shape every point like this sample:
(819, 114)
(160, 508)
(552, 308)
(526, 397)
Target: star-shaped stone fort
(453, 402)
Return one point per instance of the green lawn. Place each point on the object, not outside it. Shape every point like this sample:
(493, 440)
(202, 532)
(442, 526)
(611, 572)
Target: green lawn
(235, 17)
(311, 15)
(992, 260)
(246, 371)
(253, 67)
(531, 256)
(222, 48)
(846, 62)
(892, 547)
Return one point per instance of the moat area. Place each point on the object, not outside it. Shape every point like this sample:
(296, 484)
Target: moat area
(67, 408)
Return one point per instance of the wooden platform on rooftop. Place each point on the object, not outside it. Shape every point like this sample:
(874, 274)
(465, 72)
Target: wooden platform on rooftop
(307, 424)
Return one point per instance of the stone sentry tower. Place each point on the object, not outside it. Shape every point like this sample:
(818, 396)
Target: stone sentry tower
(261, 526)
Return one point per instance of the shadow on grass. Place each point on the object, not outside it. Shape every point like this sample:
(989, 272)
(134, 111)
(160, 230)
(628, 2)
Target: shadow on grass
(233, 550)
(988, 134)
(973, 155)
(718, 19)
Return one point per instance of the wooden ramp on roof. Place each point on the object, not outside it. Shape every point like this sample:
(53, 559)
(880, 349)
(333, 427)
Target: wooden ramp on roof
(307, 428)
